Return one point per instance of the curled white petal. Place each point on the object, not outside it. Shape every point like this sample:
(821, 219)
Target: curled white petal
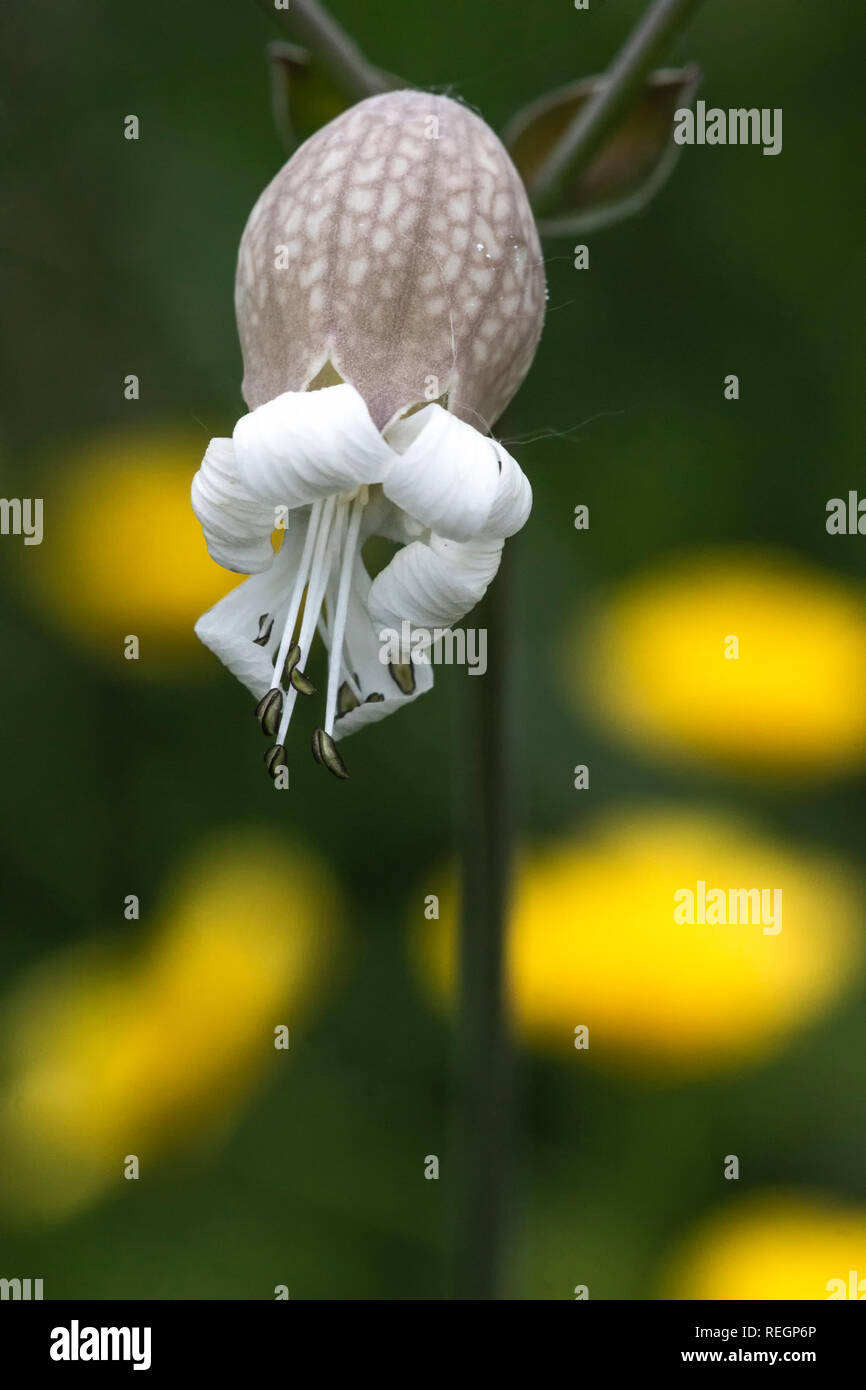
(513, 501)
(237, 527)
(305, 445)
(444, 472)
(433, 585)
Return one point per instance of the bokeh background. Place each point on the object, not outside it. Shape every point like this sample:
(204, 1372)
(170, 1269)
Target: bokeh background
(154, 1035)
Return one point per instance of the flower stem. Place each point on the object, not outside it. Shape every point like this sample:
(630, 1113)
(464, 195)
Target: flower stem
(483, 1049)
(641, 51)
(484, 1066)
(339, 54)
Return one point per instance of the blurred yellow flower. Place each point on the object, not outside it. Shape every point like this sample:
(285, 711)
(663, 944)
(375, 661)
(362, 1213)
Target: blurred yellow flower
(594, 942)
(113, 1055)
(124, 555)
(774, 1245)
(752, 661)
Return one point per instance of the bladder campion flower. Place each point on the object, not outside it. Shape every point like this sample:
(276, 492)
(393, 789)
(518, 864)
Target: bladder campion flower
(390, 297)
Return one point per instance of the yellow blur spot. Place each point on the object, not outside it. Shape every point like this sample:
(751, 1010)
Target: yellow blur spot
(114, 1054)
(774, 1246)
(594, 943)
(746, 660)
(123, 552)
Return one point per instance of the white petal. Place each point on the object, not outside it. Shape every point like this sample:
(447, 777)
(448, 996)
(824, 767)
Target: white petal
(513, 501)
(433, 585)
(230, 628)
(363, 658)
(305, 445)
(445, 473)
(237, 527)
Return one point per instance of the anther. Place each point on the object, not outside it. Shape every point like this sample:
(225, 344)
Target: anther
(375, 699)
(325, 753)
(269, 711)
(404, 676)
(266, 627)
(346, 700)
(301, 683)
(275, 758)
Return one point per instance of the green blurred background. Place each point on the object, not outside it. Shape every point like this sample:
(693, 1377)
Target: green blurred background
(119, 257)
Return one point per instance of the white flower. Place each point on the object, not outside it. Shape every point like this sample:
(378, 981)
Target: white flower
(396, 249)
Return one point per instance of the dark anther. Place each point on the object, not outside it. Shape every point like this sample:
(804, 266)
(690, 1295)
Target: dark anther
(269, 711)
(404, 676)
(302, 683)
(275, 758)
(325, 753)
(374, 699)
(346, 699)
(266, 627)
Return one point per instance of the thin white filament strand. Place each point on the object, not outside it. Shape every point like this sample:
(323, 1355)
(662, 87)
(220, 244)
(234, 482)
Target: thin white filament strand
(298, 590)
(342, 609)
(315, 593)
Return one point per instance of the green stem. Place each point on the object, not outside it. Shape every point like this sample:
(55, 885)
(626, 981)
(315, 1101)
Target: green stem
(338, 53)
(483, 1060)
(484, 1055)
(641, 51)
(283, 59)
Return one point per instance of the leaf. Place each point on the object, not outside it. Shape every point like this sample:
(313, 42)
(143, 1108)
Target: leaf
(634, 162)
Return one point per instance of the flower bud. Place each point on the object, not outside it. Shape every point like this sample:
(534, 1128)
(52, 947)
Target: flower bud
(395, 251)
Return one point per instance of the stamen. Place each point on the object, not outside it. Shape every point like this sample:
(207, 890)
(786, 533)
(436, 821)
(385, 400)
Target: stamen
(266, 627)
(298, 592)
(338, 536)
(334, 529)
(346, 700)
(403, 675)
(325, 752)
(268, 711)
(301, 683)
(353, 683)
(319, 570)
(338, 628)
(275, 758)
